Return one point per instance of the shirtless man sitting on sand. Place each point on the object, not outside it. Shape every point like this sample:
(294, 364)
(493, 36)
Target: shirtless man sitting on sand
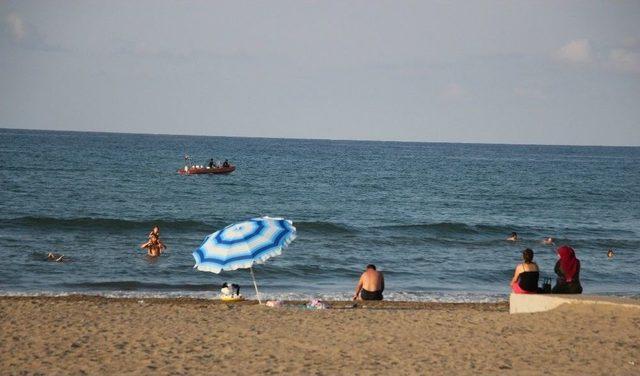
(371, 284)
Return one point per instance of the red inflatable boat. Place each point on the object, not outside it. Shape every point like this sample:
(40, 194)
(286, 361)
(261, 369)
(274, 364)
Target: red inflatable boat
(196, 170)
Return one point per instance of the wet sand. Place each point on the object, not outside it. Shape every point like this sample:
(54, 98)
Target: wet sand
(92, 335)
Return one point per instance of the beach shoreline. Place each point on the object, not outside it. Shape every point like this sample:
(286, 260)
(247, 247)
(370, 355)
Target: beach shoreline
(96, 335)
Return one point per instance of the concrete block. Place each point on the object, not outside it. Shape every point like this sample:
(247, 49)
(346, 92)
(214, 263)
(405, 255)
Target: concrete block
(528, 303)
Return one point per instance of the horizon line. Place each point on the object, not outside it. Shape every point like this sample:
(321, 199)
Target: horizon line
(319, 139)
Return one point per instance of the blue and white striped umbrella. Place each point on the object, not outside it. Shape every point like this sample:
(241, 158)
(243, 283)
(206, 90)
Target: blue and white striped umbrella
(243, 244)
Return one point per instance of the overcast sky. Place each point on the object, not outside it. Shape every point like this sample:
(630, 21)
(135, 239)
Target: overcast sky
(546, 72)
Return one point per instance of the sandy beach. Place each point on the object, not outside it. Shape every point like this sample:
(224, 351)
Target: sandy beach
(92, 335)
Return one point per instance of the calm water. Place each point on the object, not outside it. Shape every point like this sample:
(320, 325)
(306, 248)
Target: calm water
(433, 217)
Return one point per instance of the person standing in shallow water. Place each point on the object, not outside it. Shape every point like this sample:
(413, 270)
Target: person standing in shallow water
(155, 231)
(154, 245)
(371, 284)
(568, 270)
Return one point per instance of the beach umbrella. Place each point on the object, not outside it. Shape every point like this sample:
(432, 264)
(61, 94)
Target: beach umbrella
(243, 244)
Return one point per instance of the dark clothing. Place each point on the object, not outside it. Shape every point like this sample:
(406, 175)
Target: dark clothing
(564, 287)
(528, 281)
(370, 295)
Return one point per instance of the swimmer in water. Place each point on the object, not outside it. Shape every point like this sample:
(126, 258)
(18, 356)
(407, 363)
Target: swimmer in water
(610, 253)
(153, 246)
(548, 241)
(513, 237)
(155, 231)
(57, 257)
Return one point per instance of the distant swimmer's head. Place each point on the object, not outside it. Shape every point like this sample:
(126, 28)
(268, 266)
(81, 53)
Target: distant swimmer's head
(371, 266)
(56, 257)
(527, 255)
(548, 240)
(513, 237)
(610, 253)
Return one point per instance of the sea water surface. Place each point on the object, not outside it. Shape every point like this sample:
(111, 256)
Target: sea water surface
(432, 216)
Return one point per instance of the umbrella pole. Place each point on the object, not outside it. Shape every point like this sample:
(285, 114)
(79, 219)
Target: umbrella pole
(255, 285)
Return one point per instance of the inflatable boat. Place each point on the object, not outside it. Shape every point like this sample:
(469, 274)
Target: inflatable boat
(197, 170)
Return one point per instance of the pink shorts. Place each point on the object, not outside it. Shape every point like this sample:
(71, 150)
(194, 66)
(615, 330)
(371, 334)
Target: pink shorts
(518, 290)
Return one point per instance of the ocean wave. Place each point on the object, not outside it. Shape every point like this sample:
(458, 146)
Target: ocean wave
(400, 296)
(141, 286)
(323, 227)
(107, 224)
(417, 296)
(448, 228)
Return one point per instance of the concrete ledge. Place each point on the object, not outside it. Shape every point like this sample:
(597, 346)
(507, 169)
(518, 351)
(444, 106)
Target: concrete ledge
(528, 303)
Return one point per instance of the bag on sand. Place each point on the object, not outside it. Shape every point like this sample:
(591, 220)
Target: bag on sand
(546, 286)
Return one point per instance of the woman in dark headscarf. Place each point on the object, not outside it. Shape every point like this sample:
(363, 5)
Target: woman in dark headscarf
(568, 270)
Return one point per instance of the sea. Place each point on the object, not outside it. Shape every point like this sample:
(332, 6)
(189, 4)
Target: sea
(432, 216)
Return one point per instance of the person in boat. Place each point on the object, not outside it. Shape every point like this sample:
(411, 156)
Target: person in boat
(56, 257)
(526, 276)
(568, 270)
(211, 163)
(371, 285)
(225, 163)
(513, 237)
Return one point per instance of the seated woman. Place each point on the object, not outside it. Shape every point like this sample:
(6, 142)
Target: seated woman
(526, 276)
(568, 270)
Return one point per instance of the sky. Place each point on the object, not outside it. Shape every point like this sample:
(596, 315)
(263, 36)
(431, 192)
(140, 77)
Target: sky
(524, 72)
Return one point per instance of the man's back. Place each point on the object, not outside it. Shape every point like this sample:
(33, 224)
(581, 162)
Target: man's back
(370, 285)
(372, 280)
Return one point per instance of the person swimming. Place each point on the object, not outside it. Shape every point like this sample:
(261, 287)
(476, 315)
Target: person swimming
(548, 241)
(513, 237)
(610, 253)
(56, 257)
